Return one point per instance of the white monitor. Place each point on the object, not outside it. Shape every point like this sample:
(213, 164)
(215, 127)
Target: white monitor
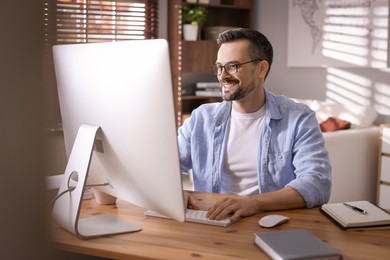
(122, 93)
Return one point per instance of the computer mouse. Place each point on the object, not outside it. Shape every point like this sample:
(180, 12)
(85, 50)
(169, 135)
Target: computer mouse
(272, 220)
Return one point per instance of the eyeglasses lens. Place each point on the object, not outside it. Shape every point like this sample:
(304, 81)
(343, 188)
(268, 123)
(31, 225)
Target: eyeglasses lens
(229, 68)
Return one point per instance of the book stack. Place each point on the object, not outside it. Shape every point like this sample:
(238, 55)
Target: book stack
(208, 89)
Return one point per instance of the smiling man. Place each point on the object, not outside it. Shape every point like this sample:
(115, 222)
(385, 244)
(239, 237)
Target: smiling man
(261, 146)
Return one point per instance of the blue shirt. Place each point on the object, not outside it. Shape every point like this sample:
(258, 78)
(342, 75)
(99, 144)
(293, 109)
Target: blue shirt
(291, 149)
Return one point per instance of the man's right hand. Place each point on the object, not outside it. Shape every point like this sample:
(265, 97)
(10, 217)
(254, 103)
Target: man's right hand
(190, 201)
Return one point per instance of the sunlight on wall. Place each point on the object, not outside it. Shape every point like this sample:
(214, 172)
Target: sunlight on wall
(382, 98)
(344, 87)
(348, 88)
(356, 32)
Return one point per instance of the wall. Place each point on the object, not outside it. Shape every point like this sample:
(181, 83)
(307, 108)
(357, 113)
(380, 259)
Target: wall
(24, 232)
(23, 215)
(372, 86)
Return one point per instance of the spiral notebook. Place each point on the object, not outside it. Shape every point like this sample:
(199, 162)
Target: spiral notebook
(357, 215)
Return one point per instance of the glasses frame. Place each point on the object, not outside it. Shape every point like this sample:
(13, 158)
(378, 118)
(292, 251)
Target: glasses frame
(217, 68)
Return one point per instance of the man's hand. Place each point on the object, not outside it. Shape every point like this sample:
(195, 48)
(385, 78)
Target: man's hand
(237, 207)
(286, 198)
(189, 201)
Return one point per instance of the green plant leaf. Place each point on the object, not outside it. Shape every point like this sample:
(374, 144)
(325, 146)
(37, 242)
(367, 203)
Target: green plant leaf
(193, 14)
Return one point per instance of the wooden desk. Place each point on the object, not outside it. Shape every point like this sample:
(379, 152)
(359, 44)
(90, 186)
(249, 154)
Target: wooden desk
(168, 239)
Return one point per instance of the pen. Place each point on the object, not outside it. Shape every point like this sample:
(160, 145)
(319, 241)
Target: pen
(362, 211)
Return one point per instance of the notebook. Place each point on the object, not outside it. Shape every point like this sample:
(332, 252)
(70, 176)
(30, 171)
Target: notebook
(294, 244)
(348, 217)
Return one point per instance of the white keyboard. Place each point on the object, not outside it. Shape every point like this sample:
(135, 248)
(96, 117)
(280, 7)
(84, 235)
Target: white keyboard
(197, 216)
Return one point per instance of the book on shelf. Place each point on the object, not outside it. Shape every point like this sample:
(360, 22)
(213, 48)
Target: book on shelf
(208, 89)
(357, 215)
(206, 85)
(294, 244)
(208, 93)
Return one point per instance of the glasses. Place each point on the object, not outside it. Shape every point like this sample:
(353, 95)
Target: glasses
(230, 68)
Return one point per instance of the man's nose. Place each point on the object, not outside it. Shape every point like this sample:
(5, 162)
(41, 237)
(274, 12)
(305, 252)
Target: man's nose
(223, 74)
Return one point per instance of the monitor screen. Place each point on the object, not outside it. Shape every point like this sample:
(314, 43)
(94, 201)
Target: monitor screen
(125, 88)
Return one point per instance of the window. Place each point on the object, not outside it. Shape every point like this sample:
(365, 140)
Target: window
(84, 21)
(87, 21)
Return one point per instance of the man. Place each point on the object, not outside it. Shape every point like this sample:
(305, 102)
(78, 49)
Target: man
(264, 147)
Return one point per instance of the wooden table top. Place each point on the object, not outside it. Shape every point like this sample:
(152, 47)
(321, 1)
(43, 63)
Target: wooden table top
(169, 239)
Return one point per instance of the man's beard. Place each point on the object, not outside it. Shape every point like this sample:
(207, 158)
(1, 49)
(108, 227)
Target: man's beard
(239, 93)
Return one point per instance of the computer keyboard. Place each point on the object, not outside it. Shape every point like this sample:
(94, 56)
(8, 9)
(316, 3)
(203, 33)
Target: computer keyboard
(197, 216)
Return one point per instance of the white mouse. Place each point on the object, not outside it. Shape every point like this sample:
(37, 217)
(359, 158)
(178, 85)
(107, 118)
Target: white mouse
(272, 220)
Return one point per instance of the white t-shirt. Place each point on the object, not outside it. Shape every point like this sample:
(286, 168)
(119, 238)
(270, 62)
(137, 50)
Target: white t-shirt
(241, 153)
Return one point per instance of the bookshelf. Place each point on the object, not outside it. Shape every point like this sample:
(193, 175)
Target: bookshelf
(191, 60)
(383, 193)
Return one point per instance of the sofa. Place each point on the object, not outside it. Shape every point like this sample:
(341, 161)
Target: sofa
(354, 157)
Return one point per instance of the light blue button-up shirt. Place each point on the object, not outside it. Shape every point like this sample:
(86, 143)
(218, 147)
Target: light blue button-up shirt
(291, 149)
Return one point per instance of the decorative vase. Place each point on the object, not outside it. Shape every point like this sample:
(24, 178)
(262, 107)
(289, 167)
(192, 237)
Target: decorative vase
(190, 32)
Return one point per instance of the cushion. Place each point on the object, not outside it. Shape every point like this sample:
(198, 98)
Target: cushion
(333, 124)
(359, 116)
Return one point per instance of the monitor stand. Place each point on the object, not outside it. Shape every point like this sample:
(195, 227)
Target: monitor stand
(66, 210)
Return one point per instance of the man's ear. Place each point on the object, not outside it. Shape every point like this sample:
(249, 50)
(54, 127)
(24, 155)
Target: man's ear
(264, 67)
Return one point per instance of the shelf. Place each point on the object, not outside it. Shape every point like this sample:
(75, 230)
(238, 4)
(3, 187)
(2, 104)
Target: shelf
(200, 97)
(229, 4)
(383, 192)
(226, 6)
(228, 17)
(191, 60)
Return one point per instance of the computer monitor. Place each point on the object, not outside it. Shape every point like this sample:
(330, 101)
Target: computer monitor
(117, 99)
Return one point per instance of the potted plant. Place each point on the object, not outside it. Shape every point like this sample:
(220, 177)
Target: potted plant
(193, 16)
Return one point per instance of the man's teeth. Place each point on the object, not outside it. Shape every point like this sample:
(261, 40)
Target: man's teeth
(229, 84)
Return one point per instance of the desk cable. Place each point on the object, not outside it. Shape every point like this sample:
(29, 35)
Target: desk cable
(70, 189)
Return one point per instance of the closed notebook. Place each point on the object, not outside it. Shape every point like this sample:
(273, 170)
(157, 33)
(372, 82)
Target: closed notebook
(348, 218)
(294, 244)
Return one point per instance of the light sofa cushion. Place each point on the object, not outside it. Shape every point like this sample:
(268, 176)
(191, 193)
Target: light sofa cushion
(359, 116)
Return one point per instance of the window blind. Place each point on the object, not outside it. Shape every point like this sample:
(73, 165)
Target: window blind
(85, 21)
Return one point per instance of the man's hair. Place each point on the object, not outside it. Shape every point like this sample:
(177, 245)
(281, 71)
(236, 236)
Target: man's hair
(260, 47)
